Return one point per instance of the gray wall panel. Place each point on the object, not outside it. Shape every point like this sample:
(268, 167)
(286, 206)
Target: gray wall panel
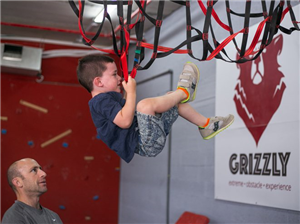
(144, 182)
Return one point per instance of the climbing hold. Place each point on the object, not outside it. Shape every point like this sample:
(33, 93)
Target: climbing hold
(30, 143)
(65, 144)
(96, 197)
(33, 106)
(4, 118)
(62, 207)
(89, 158)
(56, 138)
(4, 131)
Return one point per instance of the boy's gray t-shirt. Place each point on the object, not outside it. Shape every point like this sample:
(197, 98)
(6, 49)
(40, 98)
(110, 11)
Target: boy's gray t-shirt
(22, 213)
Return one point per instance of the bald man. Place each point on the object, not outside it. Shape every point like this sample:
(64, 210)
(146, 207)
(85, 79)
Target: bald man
(28, 181)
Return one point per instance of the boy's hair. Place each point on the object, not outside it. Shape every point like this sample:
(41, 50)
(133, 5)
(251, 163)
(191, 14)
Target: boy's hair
(90, 67)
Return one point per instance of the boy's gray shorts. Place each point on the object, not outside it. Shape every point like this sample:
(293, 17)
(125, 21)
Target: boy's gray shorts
(153, 131)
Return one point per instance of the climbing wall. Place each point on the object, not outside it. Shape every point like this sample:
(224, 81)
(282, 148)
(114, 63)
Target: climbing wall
(50, 122)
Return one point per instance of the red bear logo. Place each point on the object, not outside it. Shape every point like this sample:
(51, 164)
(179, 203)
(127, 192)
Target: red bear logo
(259, 89)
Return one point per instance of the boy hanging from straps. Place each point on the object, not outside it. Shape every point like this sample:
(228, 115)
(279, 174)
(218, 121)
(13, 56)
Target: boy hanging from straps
(142, 129)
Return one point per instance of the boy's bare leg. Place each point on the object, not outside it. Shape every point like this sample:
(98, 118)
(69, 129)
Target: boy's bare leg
(161, 104)
(190, 114)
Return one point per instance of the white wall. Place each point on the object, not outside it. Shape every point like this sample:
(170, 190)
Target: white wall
(146, 193)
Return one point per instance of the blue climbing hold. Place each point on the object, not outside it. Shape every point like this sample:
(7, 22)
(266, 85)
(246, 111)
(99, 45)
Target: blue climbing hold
(62, 207)
(96, 197)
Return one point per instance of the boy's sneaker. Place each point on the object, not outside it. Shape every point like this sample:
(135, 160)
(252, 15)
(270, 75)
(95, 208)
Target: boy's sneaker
(188, 81)
(215, 126)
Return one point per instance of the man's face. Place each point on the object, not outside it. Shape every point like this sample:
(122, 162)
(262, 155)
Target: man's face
(34, 182)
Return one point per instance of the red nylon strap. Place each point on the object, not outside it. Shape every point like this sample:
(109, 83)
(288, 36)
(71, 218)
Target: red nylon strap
(228, 39)
(124, 55)
(255, 38)
(223, 44)
(163, 49)
(214, 14)
(284, 12)
(133, 72)
(127, 38)
(124, 66)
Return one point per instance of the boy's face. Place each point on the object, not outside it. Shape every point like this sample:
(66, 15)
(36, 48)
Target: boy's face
(110, 79)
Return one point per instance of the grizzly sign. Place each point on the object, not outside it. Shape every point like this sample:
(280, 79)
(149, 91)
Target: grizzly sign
(257, 159)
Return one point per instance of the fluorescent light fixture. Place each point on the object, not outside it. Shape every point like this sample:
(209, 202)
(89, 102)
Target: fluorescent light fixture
(110, 9)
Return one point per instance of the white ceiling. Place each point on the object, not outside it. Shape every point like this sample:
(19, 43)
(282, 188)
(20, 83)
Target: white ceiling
(52, 20)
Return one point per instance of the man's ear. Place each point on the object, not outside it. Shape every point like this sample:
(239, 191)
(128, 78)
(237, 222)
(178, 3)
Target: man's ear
(97, 82)
(17, 182)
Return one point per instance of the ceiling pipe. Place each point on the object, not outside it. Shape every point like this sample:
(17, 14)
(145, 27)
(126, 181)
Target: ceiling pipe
(59, 30)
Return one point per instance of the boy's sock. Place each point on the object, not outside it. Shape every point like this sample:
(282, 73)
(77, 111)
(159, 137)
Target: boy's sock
(204, 126)
(185, 91)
